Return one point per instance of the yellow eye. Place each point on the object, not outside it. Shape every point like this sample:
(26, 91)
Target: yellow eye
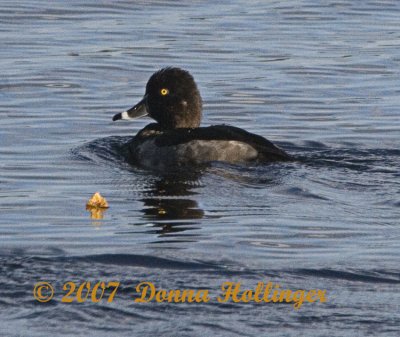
(164, 91)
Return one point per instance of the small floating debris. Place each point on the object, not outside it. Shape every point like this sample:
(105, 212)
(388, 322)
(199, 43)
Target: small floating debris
(97, 205)
(97, 201)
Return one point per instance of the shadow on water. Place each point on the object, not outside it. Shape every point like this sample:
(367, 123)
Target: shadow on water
(352, 157)
(109, 151)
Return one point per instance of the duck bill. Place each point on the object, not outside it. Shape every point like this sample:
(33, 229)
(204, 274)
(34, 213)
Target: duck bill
(139, 110)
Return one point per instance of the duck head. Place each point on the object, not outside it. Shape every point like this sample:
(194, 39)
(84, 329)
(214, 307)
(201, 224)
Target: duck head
(171, 98)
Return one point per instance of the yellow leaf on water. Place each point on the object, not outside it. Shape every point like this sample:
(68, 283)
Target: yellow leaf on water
(97, 201)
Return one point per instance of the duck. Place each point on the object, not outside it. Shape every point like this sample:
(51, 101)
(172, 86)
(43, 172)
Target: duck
(173, 100)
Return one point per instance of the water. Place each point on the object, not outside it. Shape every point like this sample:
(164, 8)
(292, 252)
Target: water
(320, 80)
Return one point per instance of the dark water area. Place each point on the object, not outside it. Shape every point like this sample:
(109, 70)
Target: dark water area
(321, 80)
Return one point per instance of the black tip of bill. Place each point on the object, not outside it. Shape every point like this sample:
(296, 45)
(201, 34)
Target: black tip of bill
(117, 117)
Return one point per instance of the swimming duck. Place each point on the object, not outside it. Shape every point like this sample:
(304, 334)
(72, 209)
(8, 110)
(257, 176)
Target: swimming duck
(173, 100)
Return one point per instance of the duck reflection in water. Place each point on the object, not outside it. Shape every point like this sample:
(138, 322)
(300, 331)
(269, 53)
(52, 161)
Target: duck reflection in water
(169, 205)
